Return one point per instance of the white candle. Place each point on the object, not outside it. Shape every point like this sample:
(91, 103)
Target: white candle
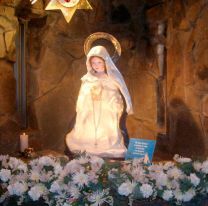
(23, 142)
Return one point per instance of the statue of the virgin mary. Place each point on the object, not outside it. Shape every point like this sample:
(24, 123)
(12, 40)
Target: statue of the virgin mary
(99, 108)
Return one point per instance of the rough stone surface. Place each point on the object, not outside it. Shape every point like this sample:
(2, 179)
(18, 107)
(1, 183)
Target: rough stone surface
(8, 28)
(171, 107)
(9, 126)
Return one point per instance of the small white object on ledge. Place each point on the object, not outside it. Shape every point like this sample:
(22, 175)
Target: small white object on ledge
(23, 142)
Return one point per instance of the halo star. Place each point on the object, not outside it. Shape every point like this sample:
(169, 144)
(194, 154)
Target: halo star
(68, 8)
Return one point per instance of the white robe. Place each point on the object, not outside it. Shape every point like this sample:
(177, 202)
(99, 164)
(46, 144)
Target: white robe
(99, 108)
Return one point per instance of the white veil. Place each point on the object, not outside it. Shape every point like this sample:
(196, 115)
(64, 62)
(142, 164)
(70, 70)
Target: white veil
(112, 72)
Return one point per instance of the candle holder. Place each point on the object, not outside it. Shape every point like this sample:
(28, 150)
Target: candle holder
(28, 153)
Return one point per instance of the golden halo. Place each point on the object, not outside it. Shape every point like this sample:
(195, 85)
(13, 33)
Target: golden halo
(102, 35)
(70, 3)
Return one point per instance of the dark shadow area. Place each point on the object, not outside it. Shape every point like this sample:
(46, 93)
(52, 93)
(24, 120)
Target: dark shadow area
(124, 129)
(185, 138)
(120, 14)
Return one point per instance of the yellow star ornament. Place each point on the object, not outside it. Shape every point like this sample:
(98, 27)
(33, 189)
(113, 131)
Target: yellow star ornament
(68, 7)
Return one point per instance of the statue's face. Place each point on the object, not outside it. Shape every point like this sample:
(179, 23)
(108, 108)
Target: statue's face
(97, 64)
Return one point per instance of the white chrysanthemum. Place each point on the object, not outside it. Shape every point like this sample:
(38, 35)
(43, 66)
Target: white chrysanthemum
(21, 177)
(55, 187)
(161, 179)
(155, 168)
(168, 165)
(46, 177)
(197, 166)
(73, 167)
(175, 184)
(178, 195)
(126, 188)
(175, 173)
(83, 160)
(35, 176)
(194, 179)
(96, 163)
(46, 161)
(138, 174)
(74, 191)
(5, 175)
(4, 161)
(112, 173)
(57, 169)
(137, 162)
(187, 196)
(80, 178)
(14, 163)
(18, 188)
(167, 195)
(99, 197)
(93, 177)
(22, 167)
(180, 159)
(4, 157)
(146, 190)
(205, 167)
(37, 191)
(66, 204)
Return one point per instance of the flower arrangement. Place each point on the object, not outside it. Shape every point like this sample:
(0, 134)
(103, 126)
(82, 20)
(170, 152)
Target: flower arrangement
(89, 180)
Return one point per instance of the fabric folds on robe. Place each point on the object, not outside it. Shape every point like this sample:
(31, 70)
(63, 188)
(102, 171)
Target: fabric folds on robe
(99, 108)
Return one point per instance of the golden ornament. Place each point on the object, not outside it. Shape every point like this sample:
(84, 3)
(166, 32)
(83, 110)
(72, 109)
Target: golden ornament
(68, 7)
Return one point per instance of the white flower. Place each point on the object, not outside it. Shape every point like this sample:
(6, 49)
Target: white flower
(74, 191)
(46, 177)
(55, 187)
(167, 195)
(14, 163)
(100, 197)
(205, 167)
(93, 177)
(57, 169)
(161, 179)
(180, 159)
(197, 166)
(178, 195)
(4, 161)
(146, 190)
(168, 165)
(194, 179)
(22, 167)
(184, 197)
(96, 163)
(35, 176)
(4, 157)
(175, 173)
(18, 188)
(155, 167)
(46, 161)
(80, 179)
(5, 175)
(138, 174)
(187, 196)
(37, 191)
(111, 173)
(66, 204)
(83, 160)
(137, 162)
(73, 167)
(175, 184)
(126, 188)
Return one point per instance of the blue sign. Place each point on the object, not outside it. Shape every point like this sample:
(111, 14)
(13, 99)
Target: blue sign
(141, 148)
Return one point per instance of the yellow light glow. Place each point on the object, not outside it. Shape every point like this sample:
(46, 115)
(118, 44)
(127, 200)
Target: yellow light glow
(68, 9)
